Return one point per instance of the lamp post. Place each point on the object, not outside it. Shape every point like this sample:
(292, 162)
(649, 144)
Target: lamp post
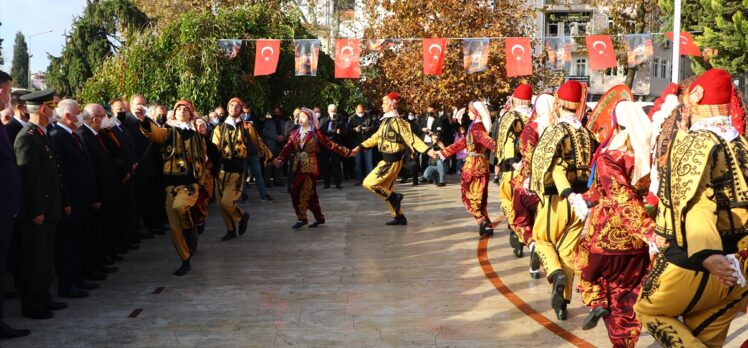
(676, 42)
(28, 48)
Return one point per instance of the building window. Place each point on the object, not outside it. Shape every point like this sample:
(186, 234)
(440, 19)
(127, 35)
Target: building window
(346, 5)
(580, 66)
(656, 67)
(664, 63)
(555, 29)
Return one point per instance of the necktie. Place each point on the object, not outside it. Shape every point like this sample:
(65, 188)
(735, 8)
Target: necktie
(77, 140)
(98, 136)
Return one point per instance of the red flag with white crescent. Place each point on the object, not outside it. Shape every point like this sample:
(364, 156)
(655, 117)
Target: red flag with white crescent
(347, 59)
(601, 52)
(433, 56)
(687, 46)
(518, 56)
(266, 57)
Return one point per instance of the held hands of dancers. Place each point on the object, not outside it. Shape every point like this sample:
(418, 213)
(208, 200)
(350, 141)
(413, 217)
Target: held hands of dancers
(441, 155)
(277, 162)
(721, 267)
(579, 206)
(432, 153)
(355, 151)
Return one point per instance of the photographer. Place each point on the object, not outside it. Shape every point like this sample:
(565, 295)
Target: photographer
(435, 165)
(411, 167)
(334, 127)
(362, 126)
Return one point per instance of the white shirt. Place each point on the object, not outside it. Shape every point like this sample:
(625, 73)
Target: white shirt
(720, 125)
(23, 123)
(429, 123)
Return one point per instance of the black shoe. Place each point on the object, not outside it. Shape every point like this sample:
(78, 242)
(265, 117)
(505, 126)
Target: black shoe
(228, 236)
(562, 313)
(489, 232)
(116, 258)
(243, 223)
(557, 295)
(534, 264)
(485, 229)
(513, 239)
(120, 250)
(9, 332)
(183, 269)
(9, 295)
(338, 186)
(403, 180)
(200, 228)
(317, 223)
(56, 306)
(398, 220)
(298, 225)
(395, 199)
(519, 251)
(145, 235)
(415, 182)
(37, 313)
(158, 231)
(496, 180)
(593, 317)
(107, 269)
(86, 285)
(132, 246)
(441, 184)
(96, 276)
(73, 293)
(267, 198)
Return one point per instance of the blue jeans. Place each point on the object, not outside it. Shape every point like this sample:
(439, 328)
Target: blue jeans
(253, 164)
(365, 156)
(460, 163)
(439, 167)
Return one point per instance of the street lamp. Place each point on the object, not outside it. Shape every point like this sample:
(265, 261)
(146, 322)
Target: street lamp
(28, 48)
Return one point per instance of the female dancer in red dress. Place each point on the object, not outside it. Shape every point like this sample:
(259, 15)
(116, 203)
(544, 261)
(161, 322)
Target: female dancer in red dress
(614, 255)
(304, 142)
(476, 169)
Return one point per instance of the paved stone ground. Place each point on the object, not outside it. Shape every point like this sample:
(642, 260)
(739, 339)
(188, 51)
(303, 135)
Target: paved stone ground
(352, 283)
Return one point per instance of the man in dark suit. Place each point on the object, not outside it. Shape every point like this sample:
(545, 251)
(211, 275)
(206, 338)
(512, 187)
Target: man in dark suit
(146, 173)
(103, 240)
(20, 116)
(43, 206)
(10, 185)
(127, 211)
(335, 127)
(80, 183)
(275, 137)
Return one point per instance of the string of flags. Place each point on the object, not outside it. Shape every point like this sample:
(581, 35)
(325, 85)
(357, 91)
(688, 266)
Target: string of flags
(476, 51)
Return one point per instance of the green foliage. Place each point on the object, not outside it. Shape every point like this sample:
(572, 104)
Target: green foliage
(20, 69)
(182, 60)
(104, 26)
(722, 26)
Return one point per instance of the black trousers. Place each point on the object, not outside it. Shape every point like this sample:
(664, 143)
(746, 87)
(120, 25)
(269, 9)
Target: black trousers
(147, 200)
(330, 167)
(37, 263)
(70, 247)
(6, 233)
(105, 238)
(126, 216)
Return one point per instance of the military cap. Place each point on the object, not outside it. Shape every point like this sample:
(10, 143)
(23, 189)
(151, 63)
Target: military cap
(39, 97)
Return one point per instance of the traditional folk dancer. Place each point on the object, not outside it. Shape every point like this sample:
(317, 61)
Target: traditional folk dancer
(700, 273)
(614, 254)
(524, 201)
(560, 170)
(392, 138)
(508, 154)
(183, 152)
(304, 143)
(476, 170)
(234, 137)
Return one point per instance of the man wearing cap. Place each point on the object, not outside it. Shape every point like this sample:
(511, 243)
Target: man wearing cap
(507, 153)
(702, 216)
(43, 206)
(476, 170)
(235, 139)
(560, 170)
(183, 151)
(392, 138)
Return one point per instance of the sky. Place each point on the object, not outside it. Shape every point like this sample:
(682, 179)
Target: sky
(36, 16)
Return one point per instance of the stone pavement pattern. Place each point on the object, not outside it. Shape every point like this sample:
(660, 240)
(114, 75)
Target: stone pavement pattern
(352, 283)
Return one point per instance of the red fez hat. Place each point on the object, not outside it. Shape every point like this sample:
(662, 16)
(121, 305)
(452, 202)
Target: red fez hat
(571, 91)
(523, 91)
(186, 103)
(236, 99)
(717, 85)
(393, 96)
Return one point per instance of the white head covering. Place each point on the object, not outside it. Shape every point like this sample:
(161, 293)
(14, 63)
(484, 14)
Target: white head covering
(485, 116)
(542, 111)
(638, 130)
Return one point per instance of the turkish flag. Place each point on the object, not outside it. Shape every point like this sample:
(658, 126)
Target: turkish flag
(347, 59)
(266, 57)
(601, 52)
(687, 46)
(433, 56)
(518, 56)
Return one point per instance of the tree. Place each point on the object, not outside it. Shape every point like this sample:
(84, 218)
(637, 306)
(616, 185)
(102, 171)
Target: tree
(401, 70)
(721, 25)
(2, 58)
(182, 60)
(102, 29)
(629, 17)
(20, 69)
(166, 11)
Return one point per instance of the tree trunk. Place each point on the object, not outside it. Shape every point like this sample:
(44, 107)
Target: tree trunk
(630, 75)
